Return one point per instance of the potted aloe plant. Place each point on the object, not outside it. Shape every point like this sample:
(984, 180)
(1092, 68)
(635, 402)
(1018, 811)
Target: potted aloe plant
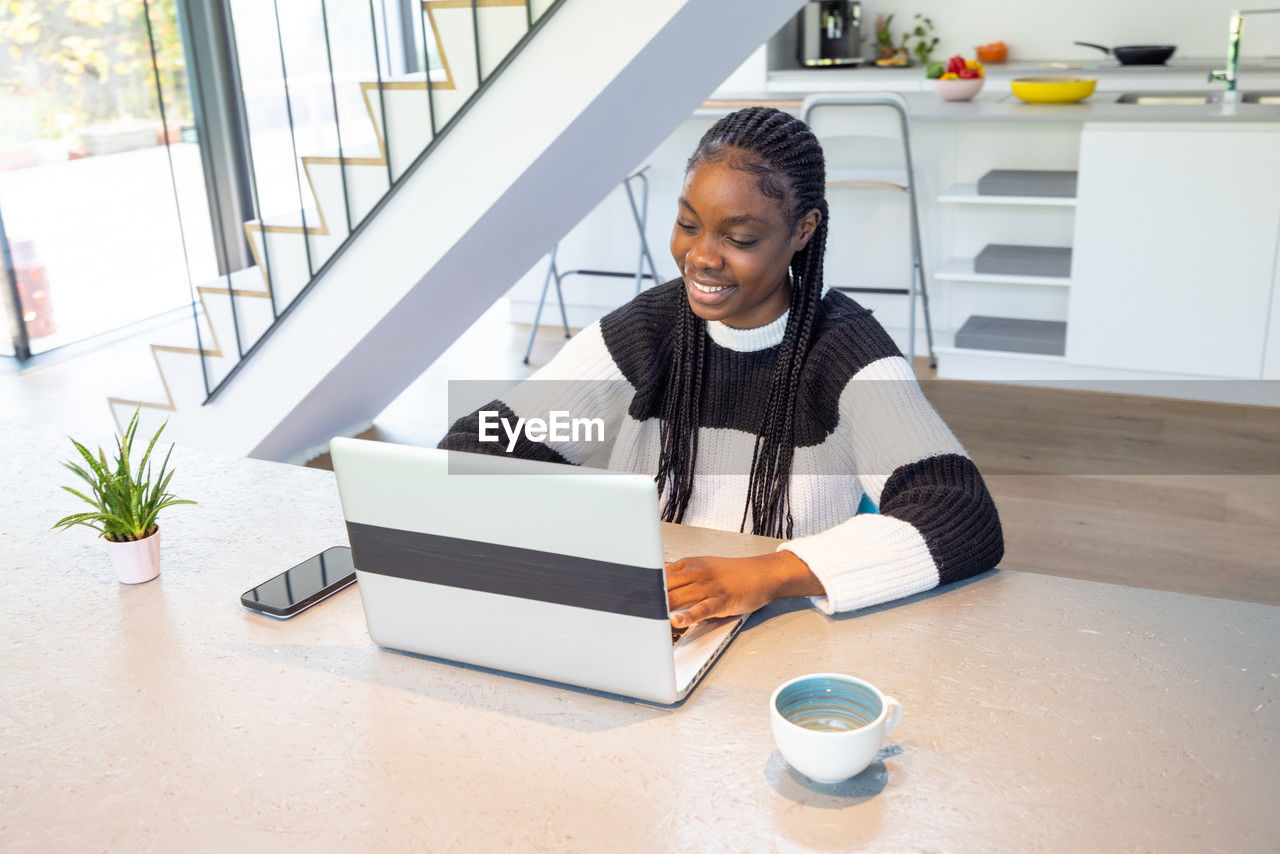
(125, 504)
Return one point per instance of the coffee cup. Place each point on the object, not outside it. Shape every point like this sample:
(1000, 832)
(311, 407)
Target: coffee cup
(829, 726)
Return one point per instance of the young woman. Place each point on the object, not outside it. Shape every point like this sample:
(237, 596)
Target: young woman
(759, 402)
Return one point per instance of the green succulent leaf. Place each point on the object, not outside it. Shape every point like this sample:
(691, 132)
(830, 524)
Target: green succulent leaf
(86, 499)
(98, 469)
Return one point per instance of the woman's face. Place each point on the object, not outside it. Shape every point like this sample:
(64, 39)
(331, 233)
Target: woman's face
(733, 246)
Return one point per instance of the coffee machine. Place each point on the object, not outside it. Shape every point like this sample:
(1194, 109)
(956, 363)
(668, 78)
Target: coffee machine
(830, 34)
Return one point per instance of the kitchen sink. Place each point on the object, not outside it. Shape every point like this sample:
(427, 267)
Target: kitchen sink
(1192, 98)
(1170, 98)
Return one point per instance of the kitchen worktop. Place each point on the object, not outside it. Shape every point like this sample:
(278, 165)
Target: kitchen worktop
(786, 88)
(1042, 713)
(997, 104)
(1188, 73)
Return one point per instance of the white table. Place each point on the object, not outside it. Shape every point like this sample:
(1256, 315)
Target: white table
(1041, 713)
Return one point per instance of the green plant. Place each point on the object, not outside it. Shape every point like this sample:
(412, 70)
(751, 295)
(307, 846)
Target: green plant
(921, 40)
(883, 34)
(125, 505)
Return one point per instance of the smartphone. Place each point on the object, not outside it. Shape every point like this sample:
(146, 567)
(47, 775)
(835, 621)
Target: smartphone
(297, 589)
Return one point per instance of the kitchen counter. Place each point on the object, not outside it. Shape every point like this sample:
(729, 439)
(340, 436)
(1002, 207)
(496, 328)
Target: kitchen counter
(1041, 713)
(997, 104)
(1189, 73)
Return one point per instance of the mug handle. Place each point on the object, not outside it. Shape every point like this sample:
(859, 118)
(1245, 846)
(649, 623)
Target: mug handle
(895, 714)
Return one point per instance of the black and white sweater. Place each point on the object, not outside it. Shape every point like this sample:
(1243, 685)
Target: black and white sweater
(863, 427)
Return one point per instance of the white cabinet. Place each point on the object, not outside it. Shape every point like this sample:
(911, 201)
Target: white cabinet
(1175, 248)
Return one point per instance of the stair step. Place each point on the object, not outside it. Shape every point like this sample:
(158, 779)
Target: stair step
(184, 376)
(363, 151)
(366, 183)
(252, 310)
(408, 123)
(249, 280)
(285, 253)
(150, 416)
(181, 349)
(502, 27)
(413, 79)
(289, 219)
(186, 337)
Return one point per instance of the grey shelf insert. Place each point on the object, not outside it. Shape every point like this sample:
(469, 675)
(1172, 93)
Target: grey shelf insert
(1013, 335)
(1013, 260)
(1028, 182)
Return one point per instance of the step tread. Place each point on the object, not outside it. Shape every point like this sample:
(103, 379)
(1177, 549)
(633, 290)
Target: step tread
(416, 78)
(353, 152)
(142, 391)
(248, 279)
(185, 338)
(291, 219)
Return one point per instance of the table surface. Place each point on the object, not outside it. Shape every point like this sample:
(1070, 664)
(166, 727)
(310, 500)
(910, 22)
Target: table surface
(1041, 713)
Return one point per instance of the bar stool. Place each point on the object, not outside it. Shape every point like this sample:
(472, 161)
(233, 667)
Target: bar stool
(880, 115)
(640, 215)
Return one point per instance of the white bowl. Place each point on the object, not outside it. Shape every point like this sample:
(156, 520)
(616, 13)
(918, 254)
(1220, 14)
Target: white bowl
(958, 90)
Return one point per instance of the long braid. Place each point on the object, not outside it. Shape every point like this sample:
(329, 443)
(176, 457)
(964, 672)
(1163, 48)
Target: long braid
(789, 166)
(682, 411)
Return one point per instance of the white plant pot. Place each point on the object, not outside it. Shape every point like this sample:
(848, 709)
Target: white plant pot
(136, 561)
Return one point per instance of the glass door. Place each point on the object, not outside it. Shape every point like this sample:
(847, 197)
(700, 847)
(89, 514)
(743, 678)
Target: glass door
(102, 192)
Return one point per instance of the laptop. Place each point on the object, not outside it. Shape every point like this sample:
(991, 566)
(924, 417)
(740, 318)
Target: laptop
(544, 570)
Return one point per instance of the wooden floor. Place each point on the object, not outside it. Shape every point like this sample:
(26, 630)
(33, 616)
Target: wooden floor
(1146, 492)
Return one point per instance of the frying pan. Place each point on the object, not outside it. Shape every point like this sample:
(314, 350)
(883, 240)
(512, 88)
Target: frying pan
(1141, 54)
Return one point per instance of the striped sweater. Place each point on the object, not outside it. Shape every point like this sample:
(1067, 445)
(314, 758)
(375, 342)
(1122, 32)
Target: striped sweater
(863, 428)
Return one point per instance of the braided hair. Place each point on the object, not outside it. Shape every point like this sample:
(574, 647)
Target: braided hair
(787, 161)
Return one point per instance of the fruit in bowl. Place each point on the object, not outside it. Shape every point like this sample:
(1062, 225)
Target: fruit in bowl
(957, 79)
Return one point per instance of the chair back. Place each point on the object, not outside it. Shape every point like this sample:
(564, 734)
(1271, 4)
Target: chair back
(859, 131)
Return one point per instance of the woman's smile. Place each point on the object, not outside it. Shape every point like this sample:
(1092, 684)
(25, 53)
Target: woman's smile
(708, 293)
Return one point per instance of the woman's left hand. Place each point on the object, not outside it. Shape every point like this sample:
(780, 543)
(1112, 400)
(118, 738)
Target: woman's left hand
(704, 587)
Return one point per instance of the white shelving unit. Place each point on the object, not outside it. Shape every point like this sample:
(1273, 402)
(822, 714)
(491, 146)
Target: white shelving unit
(961, 270)
(974, 361)
(967, 194)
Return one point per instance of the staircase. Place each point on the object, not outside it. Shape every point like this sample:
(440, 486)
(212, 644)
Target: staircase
(479, 167)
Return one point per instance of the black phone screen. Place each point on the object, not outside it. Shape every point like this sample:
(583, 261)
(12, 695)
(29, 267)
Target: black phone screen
(305, 584)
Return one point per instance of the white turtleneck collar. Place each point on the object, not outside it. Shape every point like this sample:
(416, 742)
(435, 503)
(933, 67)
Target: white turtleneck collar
(747, 340)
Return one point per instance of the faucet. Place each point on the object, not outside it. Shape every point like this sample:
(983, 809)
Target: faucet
(1228, 75)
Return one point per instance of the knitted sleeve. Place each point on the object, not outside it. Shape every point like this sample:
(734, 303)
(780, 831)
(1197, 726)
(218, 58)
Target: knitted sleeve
(581, 384)
(936, 521)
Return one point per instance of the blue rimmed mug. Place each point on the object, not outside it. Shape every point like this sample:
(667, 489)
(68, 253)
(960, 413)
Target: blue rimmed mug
(830, 726)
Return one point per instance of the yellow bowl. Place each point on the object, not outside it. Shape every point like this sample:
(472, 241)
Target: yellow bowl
(1053, 90)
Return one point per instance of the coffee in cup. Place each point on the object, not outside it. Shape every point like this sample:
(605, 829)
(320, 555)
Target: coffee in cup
(830, 726)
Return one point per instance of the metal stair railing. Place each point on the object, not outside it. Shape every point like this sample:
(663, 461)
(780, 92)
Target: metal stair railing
(334, 62)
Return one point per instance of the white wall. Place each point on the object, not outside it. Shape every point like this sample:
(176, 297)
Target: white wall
(606, 239)
(1046, 30)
